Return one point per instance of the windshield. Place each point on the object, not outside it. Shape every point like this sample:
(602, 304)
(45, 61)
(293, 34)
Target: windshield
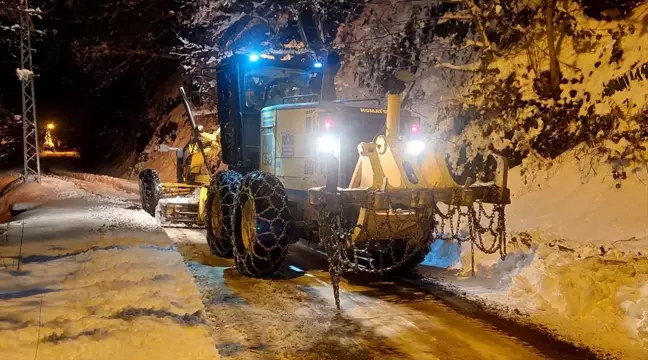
(268, 86)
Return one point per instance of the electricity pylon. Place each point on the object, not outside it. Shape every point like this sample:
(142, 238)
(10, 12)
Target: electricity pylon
(30, 127)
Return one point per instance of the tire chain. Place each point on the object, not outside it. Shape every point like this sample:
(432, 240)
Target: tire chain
(336, 233)
(150, 190)
(225, 186)
(263, 188)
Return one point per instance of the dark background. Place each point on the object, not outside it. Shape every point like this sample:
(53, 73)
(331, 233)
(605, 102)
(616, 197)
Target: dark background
(100, 64)
(98, 68)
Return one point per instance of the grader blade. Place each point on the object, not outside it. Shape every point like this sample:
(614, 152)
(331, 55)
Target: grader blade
(181, 206)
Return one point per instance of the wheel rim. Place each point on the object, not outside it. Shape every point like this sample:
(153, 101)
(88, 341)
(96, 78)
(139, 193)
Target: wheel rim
(248, 224)
(216, 221)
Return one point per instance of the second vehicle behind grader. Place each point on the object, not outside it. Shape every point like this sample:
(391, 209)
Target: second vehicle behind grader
(356, 181)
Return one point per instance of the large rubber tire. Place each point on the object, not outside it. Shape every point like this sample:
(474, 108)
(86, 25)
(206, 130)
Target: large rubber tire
(150, 190)
(220, 210)
(399, 260)
(385, 259)
(262, 224)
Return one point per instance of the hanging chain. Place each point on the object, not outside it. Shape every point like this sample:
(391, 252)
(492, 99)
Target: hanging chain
(398, 237)
(334, 245)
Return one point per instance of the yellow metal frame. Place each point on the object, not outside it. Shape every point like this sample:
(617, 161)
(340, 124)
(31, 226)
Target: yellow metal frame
(202, 202)
(178, 189)
(380, 180)
(197, 172)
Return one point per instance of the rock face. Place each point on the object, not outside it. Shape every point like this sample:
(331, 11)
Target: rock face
(173, 130)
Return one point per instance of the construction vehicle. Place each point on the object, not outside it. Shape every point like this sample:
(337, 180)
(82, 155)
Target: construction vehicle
(296, 155)
(182, 202)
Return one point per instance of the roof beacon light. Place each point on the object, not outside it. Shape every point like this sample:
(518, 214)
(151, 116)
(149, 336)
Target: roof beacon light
(318, 65)
(254, 57)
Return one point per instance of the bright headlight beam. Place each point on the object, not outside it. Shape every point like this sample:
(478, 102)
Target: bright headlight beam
(415, 147)
(326, 144)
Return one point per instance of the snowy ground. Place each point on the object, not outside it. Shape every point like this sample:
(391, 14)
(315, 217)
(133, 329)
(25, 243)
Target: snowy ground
(65, 185)
(98, 279)
(577, 260)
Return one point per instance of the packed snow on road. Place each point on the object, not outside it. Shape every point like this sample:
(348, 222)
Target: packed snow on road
(89, 276)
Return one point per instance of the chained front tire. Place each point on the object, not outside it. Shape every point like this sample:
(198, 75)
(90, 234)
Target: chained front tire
(261, 225)
(150, 190)
(401, 260)
(221, 197)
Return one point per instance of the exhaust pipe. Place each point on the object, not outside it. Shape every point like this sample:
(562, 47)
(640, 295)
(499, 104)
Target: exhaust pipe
(331, 68)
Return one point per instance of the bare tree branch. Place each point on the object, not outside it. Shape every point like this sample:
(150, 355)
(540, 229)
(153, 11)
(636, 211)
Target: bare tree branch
(476, 13)
(554, 66)
(465, 67)
(455, 16)
(101, 51)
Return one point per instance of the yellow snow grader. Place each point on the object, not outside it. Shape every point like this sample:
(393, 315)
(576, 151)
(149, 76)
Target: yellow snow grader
(355, 179)
(183, 202)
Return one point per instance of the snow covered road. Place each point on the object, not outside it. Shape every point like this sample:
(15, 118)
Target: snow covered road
(293, 316)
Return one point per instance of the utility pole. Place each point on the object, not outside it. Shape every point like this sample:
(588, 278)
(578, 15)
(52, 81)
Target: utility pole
(30, 127)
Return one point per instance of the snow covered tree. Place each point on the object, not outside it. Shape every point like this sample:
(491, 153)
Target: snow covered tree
(9, 21)
(521, 78)
(10, 137)
(218, 28)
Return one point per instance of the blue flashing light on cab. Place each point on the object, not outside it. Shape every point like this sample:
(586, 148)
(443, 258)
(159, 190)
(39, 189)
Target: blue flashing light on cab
(254, 57)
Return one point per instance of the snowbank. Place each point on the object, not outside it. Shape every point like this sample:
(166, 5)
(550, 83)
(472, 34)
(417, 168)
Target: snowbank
(65, 185)
(86, 292)
(50, 188)
(577, 260)
(60, 154)
(579, 200)
(102, 185)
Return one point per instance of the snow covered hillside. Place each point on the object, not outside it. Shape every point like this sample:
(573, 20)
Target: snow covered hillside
(577, 261)
(577, 198)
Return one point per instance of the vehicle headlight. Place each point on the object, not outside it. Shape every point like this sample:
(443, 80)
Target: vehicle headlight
(326, 144)
(415, 147)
